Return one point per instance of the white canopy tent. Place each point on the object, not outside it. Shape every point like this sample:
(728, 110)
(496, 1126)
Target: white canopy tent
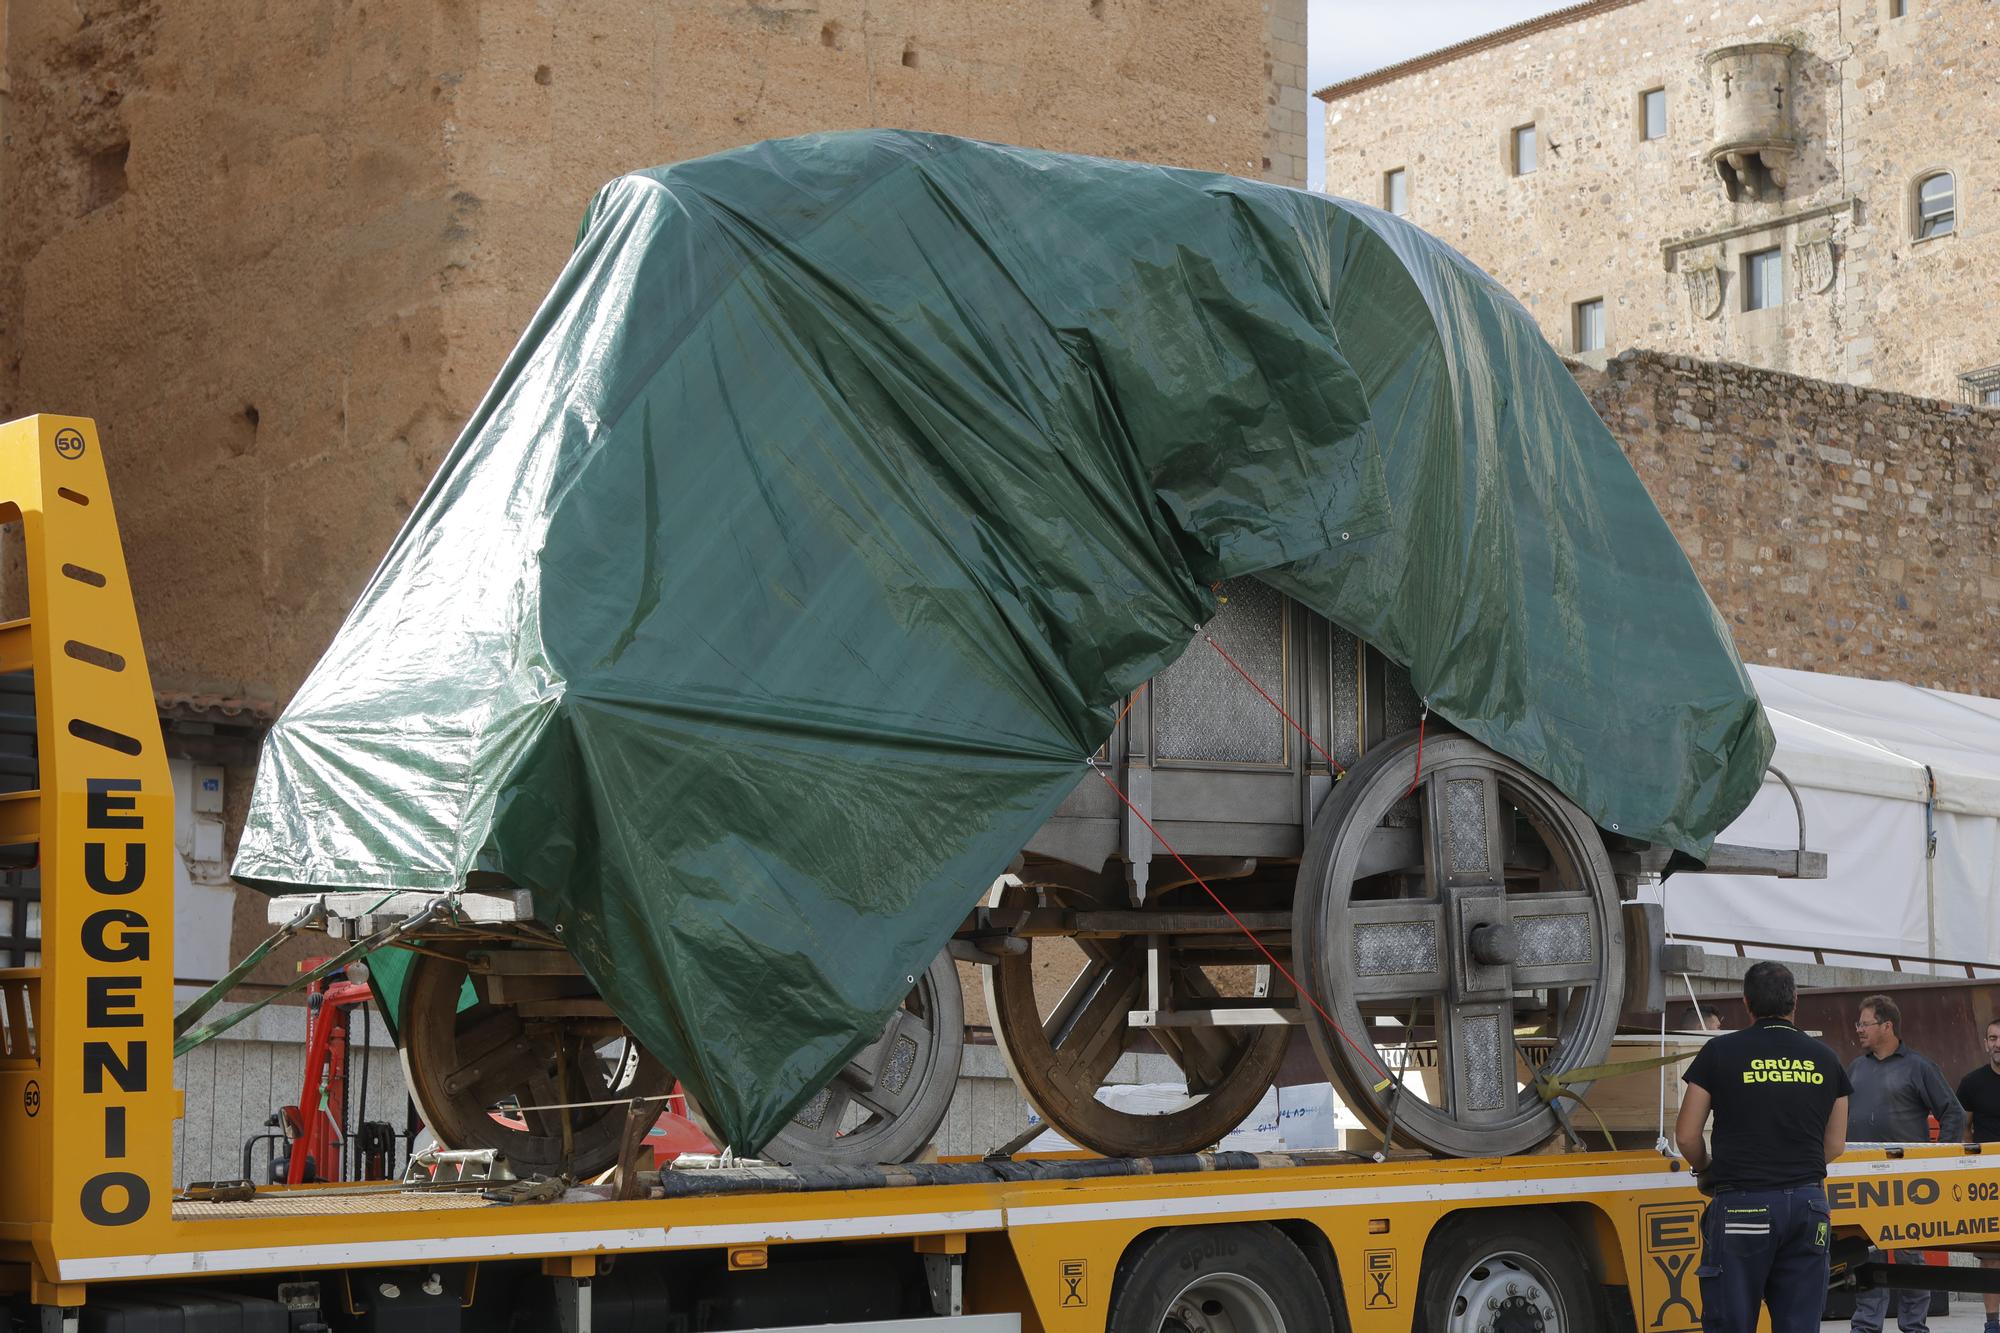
(1880, 767)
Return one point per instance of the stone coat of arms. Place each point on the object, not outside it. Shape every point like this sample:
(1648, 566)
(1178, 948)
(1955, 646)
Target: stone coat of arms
(1704, 288)
(1812, 258)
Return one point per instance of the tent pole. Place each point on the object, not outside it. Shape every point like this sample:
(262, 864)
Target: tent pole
(1930, 865)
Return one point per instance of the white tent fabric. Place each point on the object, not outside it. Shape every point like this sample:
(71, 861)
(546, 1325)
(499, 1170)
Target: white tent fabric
(1858, 751)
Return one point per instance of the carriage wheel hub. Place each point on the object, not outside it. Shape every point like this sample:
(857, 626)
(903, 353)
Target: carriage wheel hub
(1494, 944)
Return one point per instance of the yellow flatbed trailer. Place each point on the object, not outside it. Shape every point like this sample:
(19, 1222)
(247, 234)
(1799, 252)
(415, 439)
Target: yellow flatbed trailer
(94, 1233)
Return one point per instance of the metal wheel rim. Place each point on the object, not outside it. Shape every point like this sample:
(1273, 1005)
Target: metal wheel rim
(432, 1031)
(1522, 1297)
(938, 1055)
(1328, 963)
(1222, 1303)
(1063, 1100)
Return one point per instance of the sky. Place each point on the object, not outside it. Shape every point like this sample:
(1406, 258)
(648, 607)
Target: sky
(1347, 37)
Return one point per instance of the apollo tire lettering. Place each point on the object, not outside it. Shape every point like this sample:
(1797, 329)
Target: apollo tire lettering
(1211, 1247)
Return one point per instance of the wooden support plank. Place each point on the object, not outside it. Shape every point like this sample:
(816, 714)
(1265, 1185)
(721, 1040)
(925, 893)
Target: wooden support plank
(571, 1008)
(1732, 859)
(526, 963)
(514, 989)
(1111, 923)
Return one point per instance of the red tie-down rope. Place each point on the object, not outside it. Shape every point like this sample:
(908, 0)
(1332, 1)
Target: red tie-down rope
(1339, 769)
(1134, 698)
(1423, 719)
(1248, 933)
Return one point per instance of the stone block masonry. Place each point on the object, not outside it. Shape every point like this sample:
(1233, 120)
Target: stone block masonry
(1838, 529)
(280, 251)
(1843, 151)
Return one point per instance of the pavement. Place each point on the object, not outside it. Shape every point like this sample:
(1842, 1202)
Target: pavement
(1967, 1316)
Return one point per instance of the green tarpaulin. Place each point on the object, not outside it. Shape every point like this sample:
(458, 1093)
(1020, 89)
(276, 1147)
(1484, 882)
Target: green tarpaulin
(843, 486)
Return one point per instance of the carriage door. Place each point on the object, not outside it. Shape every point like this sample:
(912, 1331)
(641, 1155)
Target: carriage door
(1220, 767)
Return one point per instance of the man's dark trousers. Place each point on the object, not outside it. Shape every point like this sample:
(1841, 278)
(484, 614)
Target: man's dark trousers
(1764, 1247)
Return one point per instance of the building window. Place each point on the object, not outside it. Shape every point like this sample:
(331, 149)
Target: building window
(1396, 191)
(1653, 114)
(1937, 213)
(1981, 388)
(1763, 278)
(1589, 325)
(1524, 149)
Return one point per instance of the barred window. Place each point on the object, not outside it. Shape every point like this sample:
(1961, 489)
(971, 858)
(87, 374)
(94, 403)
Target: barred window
(1981, 388)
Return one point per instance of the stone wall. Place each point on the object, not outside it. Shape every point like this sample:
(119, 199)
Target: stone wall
(1873, 102)
(547, 110)
(278, 251)
(1285, 92)
(1838, 529)
(229, 233)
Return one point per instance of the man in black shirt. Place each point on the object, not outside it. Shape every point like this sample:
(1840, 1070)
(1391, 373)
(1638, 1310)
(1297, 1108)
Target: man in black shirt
(1780, 1105)
(1979, 1094)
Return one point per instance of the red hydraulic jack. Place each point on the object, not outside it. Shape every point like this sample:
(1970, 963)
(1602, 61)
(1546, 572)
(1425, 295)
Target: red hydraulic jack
(314, 1133)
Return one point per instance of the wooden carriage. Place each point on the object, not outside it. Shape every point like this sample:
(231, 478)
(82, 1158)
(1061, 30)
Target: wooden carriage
(1438, 903)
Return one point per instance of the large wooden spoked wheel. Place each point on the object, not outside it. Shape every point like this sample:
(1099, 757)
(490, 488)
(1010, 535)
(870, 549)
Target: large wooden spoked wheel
(1061, 1048)
(886, 1104)
(1471, 928)
(468, 1067)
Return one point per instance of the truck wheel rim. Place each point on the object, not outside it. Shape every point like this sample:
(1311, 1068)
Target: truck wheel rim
(1222, 1303)
(1508, 1292)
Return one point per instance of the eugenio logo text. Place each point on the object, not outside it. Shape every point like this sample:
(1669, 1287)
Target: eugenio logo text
(1783, 1070)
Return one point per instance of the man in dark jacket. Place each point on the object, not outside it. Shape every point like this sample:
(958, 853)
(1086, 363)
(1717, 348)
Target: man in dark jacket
(1979, 1094)
(1780, 1105)
(1896, 1092)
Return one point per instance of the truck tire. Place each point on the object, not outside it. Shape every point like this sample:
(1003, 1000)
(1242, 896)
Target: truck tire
(1244, 1278)
(1506, 1270)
